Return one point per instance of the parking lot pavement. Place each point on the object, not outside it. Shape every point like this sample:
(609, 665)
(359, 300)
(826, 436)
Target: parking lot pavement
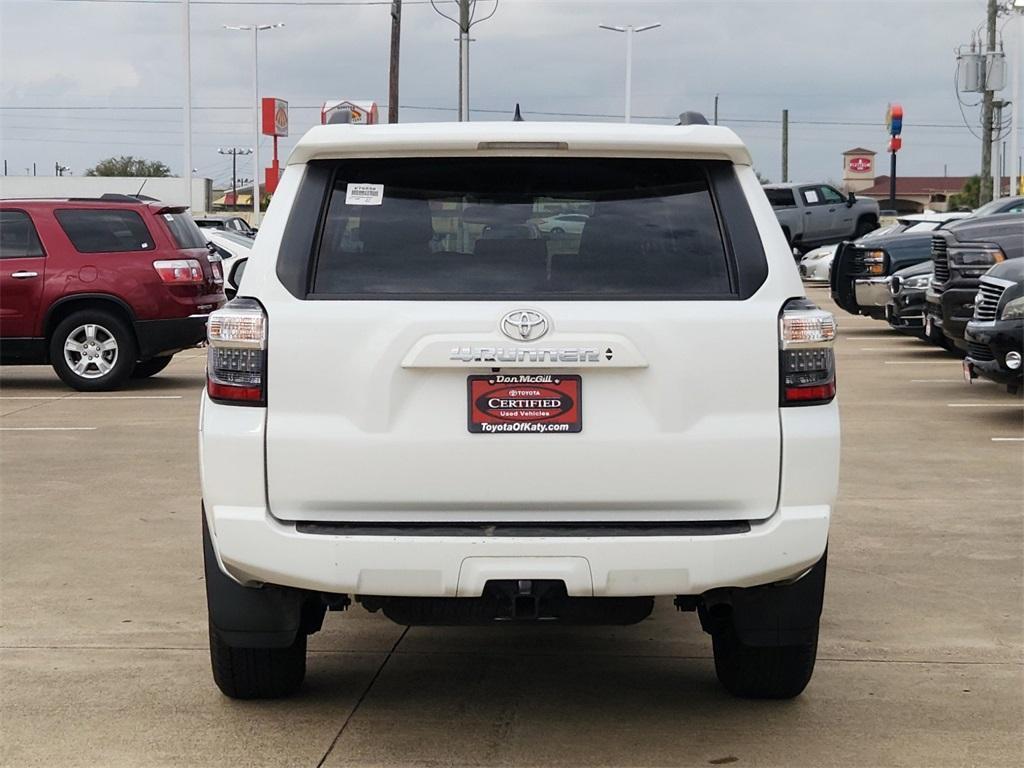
(104, 658)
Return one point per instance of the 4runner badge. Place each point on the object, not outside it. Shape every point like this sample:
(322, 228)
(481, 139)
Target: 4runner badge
(524, 324)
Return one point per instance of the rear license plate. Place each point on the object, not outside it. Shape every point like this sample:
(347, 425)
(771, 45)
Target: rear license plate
(527, 403)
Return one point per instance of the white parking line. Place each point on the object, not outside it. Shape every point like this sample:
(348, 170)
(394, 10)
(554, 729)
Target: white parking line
(90, 397)
(984, 405)
(1008, 439)
(47, 429)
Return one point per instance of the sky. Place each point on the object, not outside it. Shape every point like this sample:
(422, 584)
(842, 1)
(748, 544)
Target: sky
(79, 79)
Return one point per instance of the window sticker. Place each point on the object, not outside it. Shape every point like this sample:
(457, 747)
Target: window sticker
(810, 195)
(364, 194)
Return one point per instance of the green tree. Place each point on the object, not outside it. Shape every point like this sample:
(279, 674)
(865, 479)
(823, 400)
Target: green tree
(126, 165)
(968, 197)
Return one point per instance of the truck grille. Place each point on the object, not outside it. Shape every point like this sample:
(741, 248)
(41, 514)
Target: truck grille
(989, 294)
(979, 352)
(941, 259)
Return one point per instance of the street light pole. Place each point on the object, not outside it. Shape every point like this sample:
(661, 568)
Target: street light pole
(629, 29)
(186, 7)
(255, 29)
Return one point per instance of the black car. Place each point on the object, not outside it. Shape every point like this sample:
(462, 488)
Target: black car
(962, 253)
(905, 311)
(995, 334)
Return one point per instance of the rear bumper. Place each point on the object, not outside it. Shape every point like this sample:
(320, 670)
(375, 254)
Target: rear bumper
(158, 338)
(254, 547)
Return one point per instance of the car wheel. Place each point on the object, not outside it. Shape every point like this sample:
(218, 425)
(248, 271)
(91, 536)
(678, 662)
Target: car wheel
(863, 227)
(93, 350)
(151, 367)
(257, 673)
(762, 672)
(557, 231)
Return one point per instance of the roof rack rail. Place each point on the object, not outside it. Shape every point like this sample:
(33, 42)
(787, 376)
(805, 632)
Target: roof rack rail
(692, 118)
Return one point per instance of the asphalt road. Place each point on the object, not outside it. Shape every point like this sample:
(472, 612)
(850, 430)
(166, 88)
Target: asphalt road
(103, 625)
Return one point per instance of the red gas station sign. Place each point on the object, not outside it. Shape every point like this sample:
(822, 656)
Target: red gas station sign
(275, 117)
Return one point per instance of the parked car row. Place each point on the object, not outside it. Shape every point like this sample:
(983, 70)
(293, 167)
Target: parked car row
(960, 286)
(108, 289)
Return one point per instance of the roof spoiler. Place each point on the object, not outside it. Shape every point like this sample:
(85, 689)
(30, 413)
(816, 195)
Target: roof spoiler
(692, 118)
(173, 209)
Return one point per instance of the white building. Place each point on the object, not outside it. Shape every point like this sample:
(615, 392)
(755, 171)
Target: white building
(169, 189)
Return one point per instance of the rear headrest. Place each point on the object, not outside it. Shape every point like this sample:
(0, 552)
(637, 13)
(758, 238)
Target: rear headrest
(396, 223)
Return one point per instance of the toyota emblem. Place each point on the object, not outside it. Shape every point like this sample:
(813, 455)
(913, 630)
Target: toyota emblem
(524, 324)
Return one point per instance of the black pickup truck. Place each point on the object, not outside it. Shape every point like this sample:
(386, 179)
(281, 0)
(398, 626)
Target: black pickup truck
(859, 279)
(962, 253)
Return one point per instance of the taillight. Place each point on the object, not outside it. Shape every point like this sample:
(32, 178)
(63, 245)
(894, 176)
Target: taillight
(236, 363)
(179, 271)
(217, 267)
(807, 364)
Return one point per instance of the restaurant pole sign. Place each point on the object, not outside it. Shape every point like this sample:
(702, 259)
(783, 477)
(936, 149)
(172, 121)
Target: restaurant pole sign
(275, 123)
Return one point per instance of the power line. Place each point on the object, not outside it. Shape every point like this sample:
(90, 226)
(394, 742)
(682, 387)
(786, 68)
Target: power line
(506, 110)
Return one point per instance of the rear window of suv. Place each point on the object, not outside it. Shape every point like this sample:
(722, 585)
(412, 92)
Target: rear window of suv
(97, 230)
(184, 231)
(467, 228)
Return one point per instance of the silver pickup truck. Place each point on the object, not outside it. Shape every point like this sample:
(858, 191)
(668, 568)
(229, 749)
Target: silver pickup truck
(819, 214)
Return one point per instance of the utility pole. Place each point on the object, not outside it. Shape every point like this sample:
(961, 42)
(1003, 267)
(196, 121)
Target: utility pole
(785, 145)
(985, 192)
(33, 169)
(396, 44)
(716, 109)
(234, 152)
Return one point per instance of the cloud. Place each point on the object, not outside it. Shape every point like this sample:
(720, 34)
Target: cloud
(840, 60)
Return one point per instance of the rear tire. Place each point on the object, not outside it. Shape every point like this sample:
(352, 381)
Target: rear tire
(863, 227)
(93, 350)
(257, 673)
(151, 367)
(762, 672)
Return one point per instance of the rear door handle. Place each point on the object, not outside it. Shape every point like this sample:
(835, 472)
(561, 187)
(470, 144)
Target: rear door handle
(831, 210)
(23, 275)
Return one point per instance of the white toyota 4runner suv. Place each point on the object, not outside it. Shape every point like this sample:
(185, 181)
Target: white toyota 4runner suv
(422, 403)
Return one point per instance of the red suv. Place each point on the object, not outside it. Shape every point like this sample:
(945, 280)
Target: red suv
(102, 289)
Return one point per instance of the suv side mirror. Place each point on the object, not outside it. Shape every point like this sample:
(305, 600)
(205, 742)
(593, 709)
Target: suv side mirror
(850, 200)
(235, 278)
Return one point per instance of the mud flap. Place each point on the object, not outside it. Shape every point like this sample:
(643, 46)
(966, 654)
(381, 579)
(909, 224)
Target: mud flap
(250, 617)
(770, 615)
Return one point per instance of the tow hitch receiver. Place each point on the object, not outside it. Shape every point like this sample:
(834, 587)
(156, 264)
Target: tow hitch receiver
(512, 600)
